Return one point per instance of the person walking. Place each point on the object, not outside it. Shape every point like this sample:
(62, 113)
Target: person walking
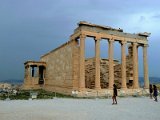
(114, 94)
(150, 90)
(155, 93)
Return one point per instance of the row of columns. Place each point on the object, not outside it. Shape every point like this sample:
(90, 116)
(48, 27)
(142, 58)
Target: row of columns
(111, 64)
(31, 72)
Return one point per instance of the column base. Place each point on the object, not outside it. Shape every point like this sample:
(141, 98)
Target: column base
(82, 89)
(136, 87)
(97, 88)
(110, 88)
(146, 87)
(124, 88)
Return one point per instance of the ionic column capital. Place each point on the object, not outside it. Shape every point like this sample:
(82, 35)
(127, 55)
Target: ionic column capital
(135, 43)
(97, 38)
(123, 42)
(111, 40)
(145, 45)
(82, 36)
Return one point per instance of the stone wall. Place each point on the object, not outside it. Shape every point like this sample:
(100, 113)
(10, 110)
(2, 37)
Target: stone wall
(34, 74)
(76, 72)
(59, 68)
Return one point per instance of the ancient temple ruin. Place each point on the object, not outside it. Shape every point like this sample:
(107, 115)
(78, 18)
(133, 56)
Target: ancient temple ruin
(65, 69)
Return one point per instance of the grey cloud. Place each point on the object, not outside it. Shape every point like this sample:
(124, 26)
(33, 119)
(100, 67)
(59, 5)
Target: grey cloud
(157, 16)
(30, 28)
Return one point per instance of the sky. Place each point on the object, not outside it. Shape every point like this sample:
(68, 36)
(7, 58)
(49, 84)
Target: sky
(31, 28)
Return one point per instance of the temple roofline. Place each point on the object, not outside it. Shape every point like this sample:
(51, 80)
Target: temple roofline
(84, 26)
(100, 26)
(32, 62)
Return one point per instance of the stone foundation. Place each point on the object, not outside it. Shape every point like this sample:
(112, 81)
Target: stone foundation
(109, 93)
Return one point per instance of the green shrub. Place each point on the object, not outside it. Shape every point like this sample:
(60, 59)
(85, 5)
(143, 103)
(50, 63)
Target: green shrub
(26, 94)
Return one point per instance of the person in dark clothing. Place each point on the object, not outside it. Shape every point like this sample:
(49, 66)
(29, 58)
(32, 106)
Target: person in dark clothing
(114, 94)
(155, 93)
(150, 90)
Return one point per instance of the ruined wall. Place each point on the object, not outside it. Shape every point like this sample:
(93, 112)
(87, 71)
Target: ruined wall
(104, 71)
(129, 66)
(59, 68)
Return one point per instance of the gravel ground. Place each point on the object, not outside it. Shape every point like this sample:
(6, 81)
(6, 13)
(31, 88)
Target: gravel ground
(131, 108)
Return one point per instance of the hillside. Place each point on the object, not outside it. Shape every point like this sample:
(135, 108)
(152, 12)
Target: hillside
(12, 81)
(153, 80)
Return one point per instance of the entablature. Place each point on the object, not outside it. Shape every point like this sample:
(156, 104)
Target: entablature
(105, 32)
(34, 63)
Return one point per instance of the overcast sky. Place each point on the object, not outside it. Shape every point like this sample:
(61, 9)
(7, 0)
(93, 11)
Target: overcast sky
(31, 28)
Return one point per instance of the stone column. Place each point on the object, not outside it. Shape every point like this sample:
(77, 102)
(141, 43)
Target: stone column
(123, 65)
(29, 70)
(97, 63)
(44, 73)
(37, 72)
(82, 63)
(135, 67)
(145, 66)
(37, 75)
(26, 75)
(111, 64)
(137, 64)
(28, 79)
(26, 71)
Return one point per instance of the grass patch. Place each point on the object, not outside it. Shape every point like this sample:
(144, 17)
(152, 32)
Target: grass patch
(26, 94)
(42, 94)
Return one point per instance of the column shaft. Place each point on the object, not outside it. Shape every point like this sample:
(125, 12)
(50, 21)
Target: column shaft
(123, 67)
(97, 64)
(111, 64)
(26, 72)
(145, 66)
(82, 62)
(135, 66)
(29, 71)
(37, 74)
(29, 77)
(26, 75)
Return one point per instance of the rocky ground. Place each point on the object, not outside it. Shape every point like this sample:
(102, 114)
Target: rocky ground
(130, 108)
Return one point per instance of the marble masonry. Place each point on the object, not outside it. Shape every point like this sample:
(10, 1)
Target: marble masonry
(66, 70)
